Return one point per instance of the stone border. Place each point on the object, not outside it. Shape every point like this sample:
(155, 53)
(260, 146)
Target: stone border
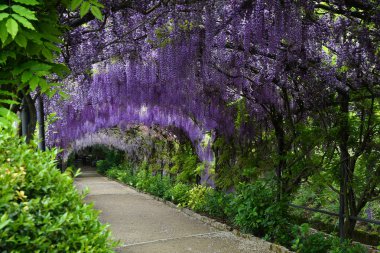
(209, 221)
(218, 225)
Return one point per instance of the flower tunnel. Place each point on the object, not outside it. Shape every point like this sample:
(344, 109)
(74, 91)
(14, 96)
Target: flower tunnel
(119, 96)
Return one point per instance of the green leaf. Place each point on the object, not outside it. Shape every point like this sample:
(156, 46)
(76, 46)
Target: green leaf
(33, 36)
(4, 221)
(50, 93)
(3, 32)
(34, 82)
(96, 3)
(7, 93)
(27, 2)
(23, 21)
(75, 4)
(12, 27)
(44, 85)
(22, 11)
(60, 69)
(84, 9)
(8, 82)
(26, 76)
(33, 49)
(9, 102)
(21, 40)
(40, 67)
(3, 16)
(96, 12)
(47, 54)
(53, 47)
(3, 7)
(3, 112)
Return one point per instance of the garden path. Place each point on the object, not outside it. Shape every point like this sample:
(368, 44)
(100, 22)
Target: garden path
(145, 225)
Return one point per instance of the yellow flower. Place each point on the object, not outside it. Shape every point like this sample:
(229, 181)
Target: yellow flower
(22, 171)
(21, 195)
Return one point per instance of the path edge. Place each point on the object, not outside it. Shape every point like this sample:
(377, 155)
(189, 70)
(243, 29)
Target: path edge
(208, 221)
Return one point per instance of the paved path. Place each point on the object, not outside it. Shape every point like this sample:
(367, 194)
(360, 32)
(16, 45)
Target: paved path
(145, 225)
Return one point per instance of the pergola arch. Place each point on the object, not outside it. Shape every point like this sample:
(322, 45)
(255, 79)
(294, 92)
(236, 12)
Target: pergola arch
(122, 94)
(117, 138)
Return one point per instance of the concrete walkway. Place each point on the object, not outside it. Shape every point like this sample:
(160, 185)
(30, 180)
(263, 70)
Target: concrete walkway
(145, 225)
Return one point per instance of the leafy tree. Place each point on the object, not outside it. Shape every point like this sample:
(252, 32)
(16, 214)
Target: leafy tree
(30, 39)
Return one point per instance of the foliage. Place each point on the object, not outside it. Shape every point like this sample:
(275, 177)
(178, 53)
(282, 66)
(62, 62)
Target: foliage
(40, 209)
(112, 158)
(198, 197)
(252, 208)
(154, 184)
(218, 204)
(257, 211)
(308, 242)
(123, 174)
(30, 37)
(179, 194)
(185, 162)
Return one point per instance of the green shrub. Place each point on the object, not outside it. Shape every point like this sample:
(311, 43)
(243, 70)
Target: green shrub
(40, 209)
(346, 247)
(255, 211)
(127, 178)
(112, 173)
(102, 166)
(112, 158)
(198, 198)
(159, 185)
(179, 194)
(156, 185)
(217, 204)
(307, 242)
(142, 180)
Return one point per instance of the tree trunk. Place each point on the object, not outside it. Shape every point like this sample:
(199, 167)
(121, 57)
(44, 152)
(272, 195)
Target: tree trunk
(277, 122)
(343, 136)
(28, 117)
(41, 123)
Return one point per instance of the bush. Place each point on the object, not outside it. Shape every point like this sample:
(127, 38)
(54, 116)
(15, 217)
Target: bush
(122, 173)
(198, 198)
(112, 158)
(217, 204)
(156, 185)
(256, 211)
(346, 247)
(179, 194)
(307, 242)
(40, 209)
(142, 180)
(112, 173)
(102, 166)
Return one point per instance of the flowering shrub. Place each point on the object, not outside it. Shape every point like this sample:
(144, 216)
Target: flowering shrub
(40, 210)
